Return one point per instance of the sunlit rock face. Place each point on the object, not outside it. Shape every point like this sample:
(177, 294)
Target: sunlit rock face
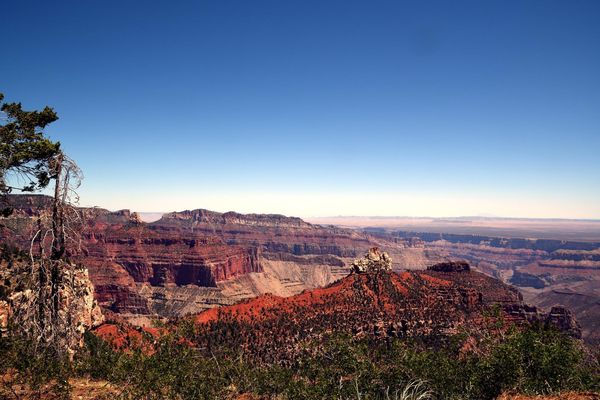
(125, 255)
(373, 261)
(272, 233)
(28, 307)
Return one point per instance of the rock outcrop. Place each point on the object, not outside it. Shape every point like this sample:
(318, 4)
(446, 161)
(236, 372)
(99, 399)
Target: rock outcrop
(125, 255)
(451, 266)
(549, 272)
(564, 320)
(123, 258)
(4, 314)
(374, 261)
(27, 205)
(202, 217)
(28, 308)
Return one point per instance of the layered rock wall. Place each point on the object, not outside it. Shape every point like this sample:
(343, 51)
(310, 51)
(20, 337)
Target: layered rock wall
(271, 233)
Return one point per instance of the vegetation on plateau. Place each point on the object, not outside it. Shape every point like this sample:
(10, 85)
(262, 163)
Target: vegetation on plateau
(536, 360)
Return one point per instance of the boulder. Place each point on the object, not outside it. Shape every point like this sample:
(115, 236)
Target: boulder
(373, 261)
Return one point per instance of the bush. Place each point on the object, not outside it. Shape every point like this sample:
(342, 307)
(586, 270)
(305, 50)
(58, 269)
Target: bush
(41, 369)
(536, 360)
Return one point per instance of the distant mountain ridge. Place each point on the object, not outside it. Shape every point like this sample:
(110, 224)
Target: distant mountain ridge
(231, 217)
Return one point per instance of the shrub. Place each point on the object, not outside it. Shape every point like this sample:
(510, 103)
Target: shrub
(41, 369)
(536, 360)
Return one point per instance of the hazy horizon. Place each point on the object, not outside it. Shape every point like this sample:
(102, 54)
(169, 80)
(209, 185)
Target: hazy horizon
(303, 205)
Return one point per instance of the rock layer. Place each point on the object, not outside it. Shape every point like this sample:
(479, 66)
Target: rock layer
(125, 257)
(270, 232)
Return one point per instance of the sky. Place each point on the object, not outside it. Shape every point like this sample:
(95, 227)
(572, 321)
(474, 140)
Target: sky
(319, 108)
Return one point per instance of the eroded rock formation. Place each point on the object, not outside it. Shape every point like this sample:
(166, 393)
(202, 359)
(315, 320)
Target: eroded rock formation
(27, 307)
(450, 266)
(407, 304)
(271, 232)
(123, 258)
(373, 261)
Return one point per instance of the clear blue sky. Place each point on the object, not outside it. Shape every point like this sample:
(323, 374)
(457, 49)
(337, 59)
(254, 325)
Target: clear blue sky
(312, 108)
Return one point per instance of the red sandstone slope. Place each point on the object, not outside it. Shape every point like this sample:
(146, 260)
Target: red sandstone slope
(438, 301)
(385, 296)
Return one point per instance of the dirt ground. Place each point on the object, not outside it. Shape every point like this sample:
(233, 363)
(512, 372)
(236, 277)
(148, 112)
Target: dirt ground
(562, 396)
(81, 389)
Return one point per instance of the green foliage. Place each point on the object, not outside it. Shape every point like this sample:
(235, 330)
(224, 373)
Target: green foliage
(537, 360)
(42, 369)
(98, 359)
(24, 150)
(172, 371)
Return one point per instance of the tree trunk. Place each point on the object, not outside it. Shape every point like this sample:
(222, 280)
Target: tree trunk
(58, 244)
(58, 233)
(42, 279)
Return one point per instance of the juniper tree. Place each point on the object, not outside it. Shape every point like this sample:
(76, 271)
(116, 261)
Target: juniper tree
(25, 153)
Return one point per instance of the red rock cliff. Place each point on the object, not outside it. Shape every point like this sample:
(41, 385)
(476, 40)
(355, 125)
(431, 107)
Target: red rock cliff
(123, 254)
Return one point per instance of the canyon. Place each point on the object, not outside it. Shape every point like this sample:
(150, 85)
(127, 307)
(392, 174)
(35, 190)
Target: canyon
(194, 260)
